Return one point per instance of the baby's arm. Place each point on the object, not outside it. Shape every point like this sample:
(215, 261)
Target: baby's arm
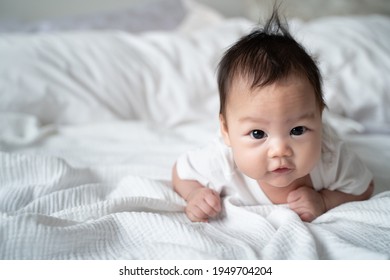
(202, 202)
(309, 204)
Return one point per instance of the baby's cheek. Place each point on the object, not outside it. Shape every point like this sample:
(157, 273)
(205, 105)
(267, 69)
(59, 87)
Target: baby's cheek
(251, 164)
(310, 157)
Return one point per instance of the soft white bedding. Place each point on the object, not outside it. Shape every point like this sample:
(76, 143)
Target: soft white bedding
(108, 213)
(91, 123)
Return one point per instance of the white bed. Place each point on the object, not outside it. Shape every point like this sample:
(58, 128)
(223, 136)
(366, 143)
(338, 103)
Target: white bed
(91, 122)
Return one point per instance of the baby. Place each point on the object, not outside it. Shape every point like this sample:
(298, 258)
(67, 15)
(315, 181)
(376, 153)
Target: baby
(274, 147)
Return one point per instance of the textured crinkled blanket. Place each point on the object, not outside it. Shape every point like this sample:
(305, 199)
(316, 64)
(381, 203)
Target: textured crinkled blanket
(55, 211)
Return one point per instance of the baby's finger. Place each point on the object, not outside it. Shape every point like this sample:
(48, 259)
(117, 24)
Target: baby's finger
(193, 218)
(207, 209)
(214, 201)
(307, 217)
(196, 214)
(292, 197)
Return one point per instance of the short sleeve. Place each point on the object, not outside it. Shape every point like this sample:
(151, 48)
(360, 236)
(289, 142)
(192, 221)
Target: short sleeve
(212, 166)
(342, 170)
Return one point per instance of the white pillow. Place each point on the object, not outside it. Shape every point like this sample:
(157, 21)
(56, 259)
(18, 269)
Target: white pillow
(81, 77)
(354, 58)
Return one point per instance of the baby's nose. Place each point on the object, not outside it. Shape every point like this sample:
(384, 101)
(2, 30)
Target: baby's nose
(279, 148)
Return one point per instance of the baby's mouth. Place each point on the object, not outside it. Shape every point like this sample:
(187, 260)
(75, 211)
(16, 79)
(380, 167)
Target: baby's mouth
(281, 170)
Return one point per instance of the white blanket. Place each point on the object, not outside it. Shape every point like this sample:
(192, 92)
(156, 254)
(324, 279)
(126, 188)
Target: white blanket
(91, 124)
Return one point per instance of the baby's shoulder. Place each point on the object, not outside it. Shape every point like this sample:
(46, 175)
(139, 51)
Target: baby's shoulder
(222, 156)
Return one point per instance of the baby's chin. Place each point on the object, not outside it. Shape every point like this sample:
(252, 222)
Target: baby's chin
(280, 185)
(281, 182)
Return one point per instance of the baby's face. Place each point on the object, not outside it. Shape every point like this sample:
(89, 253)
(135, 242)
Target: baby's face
(274, 131)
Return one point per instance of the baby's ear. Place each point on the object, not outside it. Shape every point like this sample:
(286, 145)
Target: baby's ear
(224, 130)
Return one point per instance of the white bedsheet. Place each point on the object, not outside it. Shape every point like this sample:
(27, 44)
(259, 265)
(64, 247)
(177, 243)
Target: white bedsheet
(91, 124)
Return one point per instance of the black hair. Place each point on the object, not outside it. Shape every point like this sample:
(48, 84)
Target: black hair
(264, 56)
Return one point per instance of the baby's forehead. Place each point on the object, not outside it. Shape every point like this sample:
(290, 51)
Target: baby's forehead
(292, 86)
(247, 83)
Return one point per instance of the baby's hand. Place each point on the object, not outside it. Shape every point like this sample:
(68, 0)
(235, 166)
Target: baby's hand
(307, 203)
(202, 204)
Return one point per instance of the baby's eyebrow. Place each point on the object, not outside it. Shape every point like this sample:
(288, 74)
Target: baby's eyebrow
(304, 116)
(253, 119)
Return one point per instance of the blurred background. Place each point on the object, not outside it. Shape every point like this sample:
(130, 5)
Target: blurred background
(37, 10)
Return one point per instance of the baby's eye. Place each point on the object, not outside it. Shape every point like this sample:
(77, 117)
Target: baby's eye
(257, 134)
(299, 130)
